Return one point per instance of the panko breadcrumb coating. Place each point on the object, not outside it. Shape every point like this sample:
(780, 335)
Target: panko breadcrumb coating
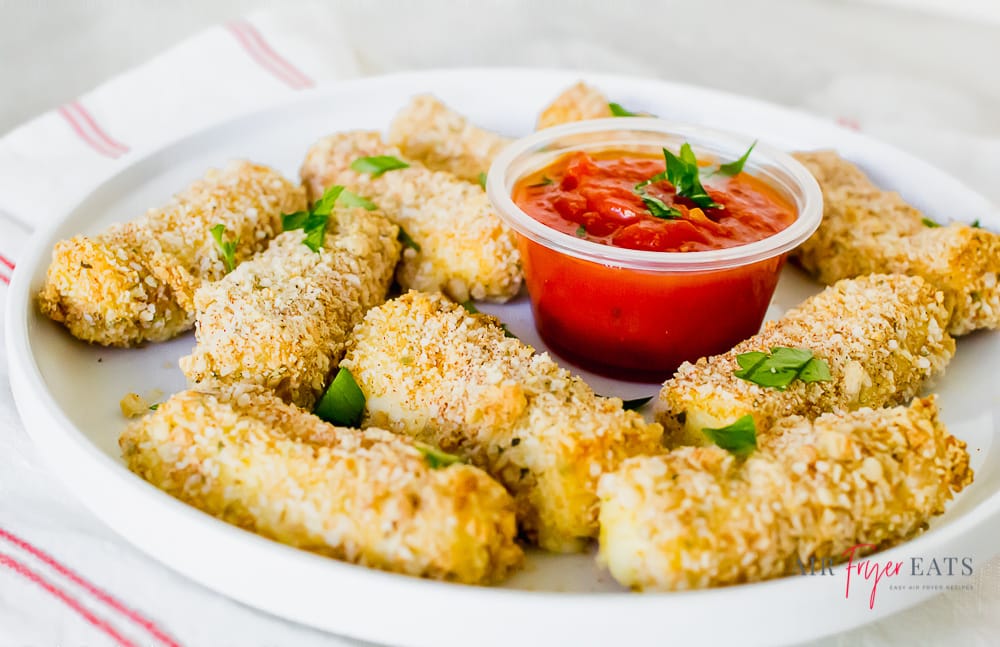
(435, 372)
(579, 102)
(867, 230)
(135, 282)
(443, 140)
(700, 517)
(883, 337)
(282, 318)
(366, 497)
(465, 250)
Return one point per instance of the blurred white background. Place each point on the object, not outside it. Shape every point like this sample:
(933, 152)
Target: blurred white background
(893, 67)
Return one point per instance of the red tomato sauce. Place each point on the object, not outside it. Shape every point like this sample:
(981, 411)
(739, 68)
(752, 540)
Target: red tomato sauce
(593, 197)
(637, 324)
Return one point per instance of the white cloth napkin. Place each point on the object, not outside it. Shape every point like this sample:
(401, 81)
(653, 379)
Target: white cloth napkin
(65, 578)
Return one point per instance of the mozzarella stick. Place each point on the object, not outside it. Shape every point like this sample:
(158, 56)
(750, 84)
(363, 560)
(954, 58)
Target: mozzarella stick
(366, 497)
(282, 318)
(579, 102)
(867, 230)
(462, 247)
(882, 336)
(435, 372)
(443, 140)
(135, 282)
(699, 517)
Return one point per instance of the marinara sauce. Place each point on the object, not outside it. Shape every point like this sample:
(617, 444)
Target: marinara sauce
(642, 324)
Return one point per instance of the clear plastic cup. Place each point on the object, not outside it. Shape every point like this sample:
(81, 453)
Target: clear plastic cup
(637, 314)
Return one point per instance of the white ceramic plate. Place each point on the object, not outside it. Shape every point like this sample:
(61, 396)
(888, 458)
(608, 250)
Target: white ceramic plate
(68, 394)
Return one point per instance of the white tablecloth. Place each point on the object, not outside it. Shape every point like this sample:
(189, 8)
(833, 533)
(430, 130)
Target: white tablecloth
(66, 579)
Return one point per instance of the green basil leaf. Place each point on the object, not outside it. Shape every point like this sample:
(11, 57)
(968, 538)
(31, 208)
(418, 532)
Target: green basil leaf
(581, 231)
(349, 199)
(975, 224)
(297, 220)
(378, 164)
(227, 249)
(470, 307)
(343, 403)
(545, 181)
(739, 438)
(324, 206)
(735, 168)
(637, 403)
(436, 458)
(927, 222)
(482, 180)
(404, 238)
(660, 209)
(781, 367)
(618, 111)
(682, 172)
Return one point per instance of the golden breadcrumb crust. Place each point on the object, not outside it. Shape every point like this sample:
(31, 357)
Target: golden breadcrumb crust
(883, 337)
(135, 282)
(579, 102)
(699, 517)
(867, 230)
(366, 497)
(465, 250)
(441, 139)
(432, 371)
(282, 318)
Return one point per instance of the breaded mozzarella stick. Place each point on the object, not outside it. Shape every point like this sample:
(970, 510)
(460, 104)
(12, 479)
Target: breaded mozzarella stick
(441, 139)
(366, 497)
(867, 230)
(579, 102)
(432, 371)
(135, 282)
(464, 248)
(282, 318)
(883, 337)
(699, 517)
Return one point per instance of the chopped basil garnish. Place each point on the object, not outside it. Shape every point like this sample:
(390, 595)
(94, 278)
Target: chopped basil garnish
(632, 405)
(545, 181)
(482, 180)
(436, 458)
(154, 407)
(378, 164)
(735, 168)
(227, 248)
(314, 221)
(929, 223)
(618, 111)
(581, 231)
(739, 438)
(349, 199)
(682, 172)
(975, 224)
(404, 238)
(656, 207)
(781, 367)
(343, 402)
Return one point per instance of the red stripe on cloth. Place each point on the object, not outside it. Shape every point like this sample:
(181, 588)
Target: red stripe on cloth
(85, 135)
(103, 136)
(4, 279)
(259, 39)
(98, 593)
(6, 261)
(65, 598)
(276, 65)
